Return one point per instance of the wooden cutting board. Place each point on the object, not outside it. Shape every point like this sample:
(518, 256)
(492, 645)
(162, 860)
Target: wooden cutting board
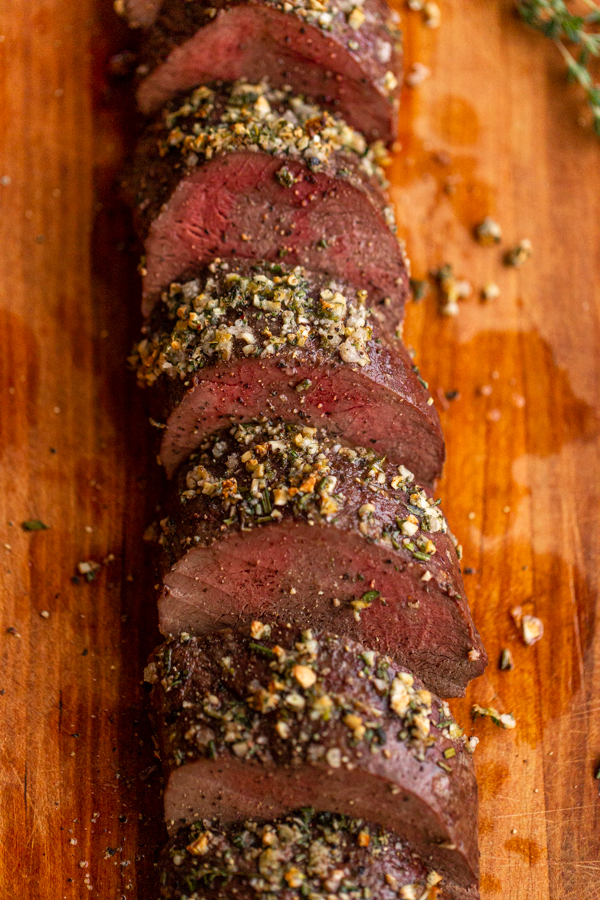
(493, 131)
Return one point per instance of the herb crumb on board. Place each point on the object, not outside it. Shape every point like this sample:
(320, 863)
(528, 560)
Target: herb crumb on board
(502, 720)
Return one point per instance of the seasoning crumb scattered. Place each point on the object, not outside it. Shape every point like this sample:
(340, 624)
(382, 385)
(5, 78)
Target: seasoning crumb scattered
(490, 291)
(12, 630)
(506, 660)
(304, 675)
(502, 720)
(417, 75)
(519, 254)
(532, 629)
(432, 14)
(517, 615)
(259, 630)
(452, 290)
(45, 614)
(89, 568)
(488, 232)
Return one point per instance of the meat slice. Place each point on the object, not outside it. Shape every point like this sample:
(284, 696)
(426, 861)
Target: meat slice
(243, 338)
(262, 723)
(253, 173)
(304, 854)
(276, 520)
(344, 55)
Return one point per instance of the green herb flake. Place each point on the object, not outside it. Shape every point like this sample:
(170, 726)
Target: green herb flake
(262, 650)
(424, 557)
(419, 288)
(34, 525)
(370, 596)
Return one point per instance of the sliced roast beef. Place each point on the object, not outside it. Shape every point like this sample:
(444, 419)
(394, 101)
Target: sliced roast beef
(305, 854)
(240, 339)
(344, 55)
(261, 723)
(253, 173)
(276, 520)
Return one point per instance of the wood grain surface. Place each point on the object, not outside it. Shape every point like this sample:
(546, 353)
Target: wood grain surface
(493, 131)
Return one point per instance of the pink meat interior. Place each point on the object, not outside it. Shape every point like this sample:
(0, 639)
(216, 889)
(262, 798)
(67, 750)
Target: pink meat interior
(295, 572)
(256, 42)
(373, 411)
(233, 206)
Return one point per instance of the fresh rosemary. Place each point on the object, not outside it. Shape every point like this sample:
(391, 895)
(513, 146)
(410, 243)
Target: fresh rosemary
(554, 19)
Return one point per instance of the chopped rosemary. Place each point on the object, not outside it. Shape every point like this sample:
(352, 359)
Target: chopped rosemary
(34, 525)
(262, 650)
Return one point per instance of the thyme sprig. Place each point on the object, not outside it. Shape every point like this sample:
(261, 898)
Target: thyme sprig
(554, 19)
